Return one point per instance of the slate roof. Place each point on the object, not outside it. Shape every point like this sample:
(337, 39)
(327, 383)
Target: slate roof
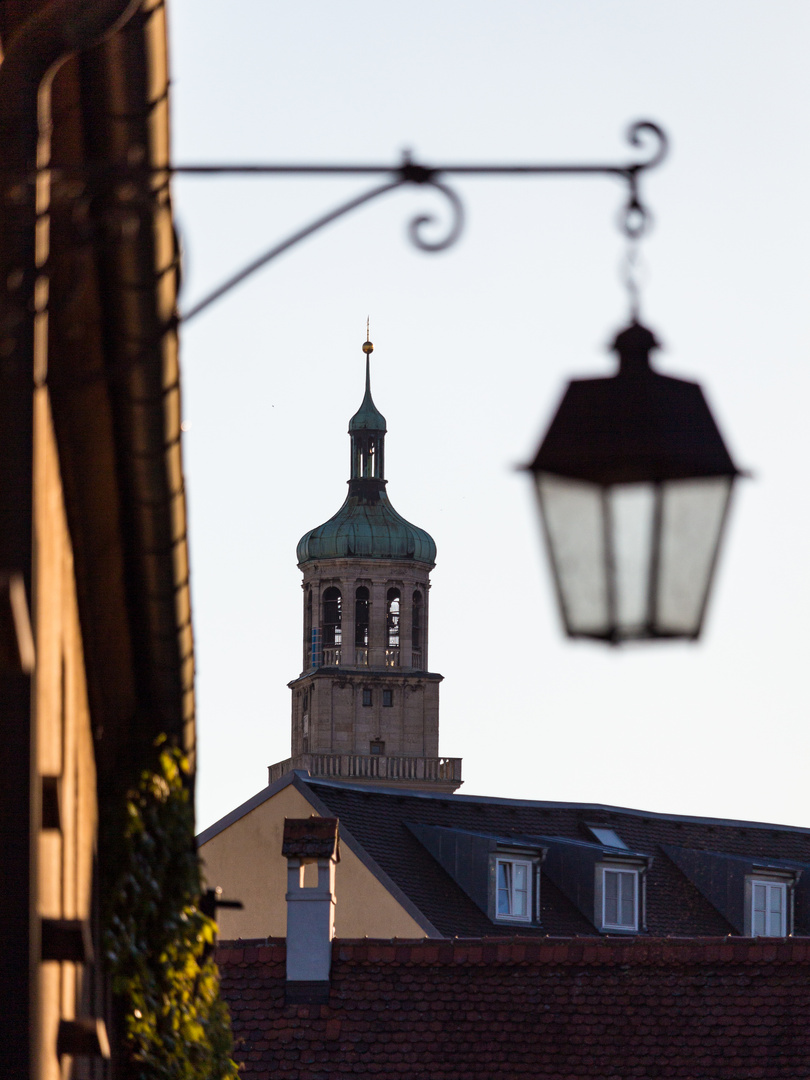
(609, 1008)
(382, 823)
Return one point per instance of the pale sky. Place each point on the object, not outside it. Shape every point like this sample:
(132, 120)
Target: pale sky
(472, 350)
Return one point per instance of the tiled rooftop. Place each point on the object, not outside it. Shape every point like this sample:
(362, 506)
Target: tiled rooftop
(567, 1009)
(381, 823)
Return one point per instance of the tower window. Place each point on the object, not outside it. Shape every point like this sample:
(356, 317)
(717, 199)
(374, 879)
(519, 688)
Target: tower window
(416, 621)
(377, 747)
(392, 618)
(367, 453)
(332, 617)
(388, 698)
(361, 617)
(309, 651)
(369, 458)
(367, 697)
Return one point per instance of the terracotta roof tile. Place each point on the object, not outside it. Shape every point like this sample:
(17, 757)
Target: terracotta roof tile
(564, 1009)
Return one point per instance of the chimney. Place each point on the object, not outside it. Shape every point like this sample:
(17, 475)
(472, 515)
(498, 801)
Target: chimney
(310, 909)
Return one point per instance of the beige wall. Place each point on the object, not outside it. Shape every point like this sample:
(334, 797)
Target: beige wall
(246, 860)
(64, 740)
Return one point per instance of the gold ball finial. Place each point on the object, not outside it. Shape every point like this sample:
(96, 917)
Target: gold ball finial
(367, 346)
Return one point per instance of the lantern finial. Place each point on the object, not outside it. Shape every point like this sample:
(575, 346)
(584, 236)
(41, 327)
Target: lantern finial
(634, 345)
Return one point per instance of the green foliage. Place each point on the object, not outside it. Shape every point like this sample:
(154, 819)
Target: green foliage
(158, 943)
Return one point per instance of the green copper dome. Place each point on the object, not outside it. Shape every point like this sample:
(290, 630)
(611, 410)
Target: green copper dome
(364, 529)
(367, 526)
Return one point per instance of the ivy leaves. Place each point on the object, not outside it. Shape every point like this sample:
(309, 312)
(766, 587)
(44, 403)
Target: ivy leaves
(158, 943)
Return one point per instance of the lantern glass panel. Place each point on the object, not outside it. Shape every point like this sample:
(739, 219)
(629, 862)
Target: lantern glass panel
(633, 560)
(692, 516)
(631, 523)
(573, 519)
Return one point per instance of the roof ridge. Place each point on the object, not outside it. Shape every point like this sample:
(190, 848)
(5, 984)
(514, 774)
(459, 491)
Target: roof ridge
(645, 951)
(552, 805)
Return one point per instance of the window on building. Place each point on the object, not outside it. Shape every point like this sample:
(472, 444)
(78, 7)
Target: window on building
(606, 836)
(416, 621)
(367, 458)
(309, 652)
(367, 697)
(619, 899)
(392, 618)
(332, 617)
(388, 698)
(769, 902)
(361, 598)
(513, 889)
(377, 747)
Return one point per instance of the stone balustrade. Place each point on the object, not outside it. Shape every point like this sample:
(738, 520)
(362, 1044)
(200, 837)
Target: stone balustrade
(388, 768)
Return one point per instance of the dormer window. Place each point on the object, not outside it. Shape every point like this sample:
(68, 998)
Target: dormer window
(768, 904)
(768, 909)
(513, 888)
(620, 894)
(620, 889)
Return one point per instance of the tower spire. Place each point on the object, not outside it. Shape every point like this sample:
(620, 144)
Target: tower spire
(368, 349)
(365, 689)
(367, 429)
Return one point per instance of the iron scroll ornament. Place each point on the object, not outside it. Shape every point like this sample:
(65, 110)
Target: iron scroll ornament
(635, 218)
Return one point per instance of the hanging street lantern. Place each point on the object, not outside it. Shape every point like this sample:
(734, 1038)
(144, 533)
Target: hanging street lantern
(634, 483)
(633, 477)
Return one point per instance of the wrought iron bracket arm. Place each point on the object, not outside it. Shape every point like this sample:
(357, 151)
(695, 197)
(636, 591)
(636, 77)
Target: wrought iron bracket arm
(634, 220)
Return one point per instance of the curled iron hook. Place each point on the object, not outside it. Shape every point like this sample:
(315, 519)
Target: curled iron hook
(415, 226)
(637, 135)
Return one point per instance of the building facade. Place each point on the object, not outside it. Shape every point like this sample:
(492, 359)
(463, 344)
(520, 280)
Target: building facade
(96, 651)
(366, 706)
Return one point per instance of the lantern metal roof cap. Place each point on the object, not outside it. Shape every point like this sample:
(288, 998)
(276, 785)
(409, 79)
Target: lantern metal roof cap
(635, 426)
(368, 417)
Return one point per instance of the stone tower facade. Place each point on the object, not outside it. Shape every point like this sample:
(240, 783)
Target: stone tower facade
(365, 707)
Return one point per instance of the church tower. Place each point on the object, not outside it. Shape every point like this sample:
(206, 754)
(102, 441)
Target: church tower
(365, 707)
